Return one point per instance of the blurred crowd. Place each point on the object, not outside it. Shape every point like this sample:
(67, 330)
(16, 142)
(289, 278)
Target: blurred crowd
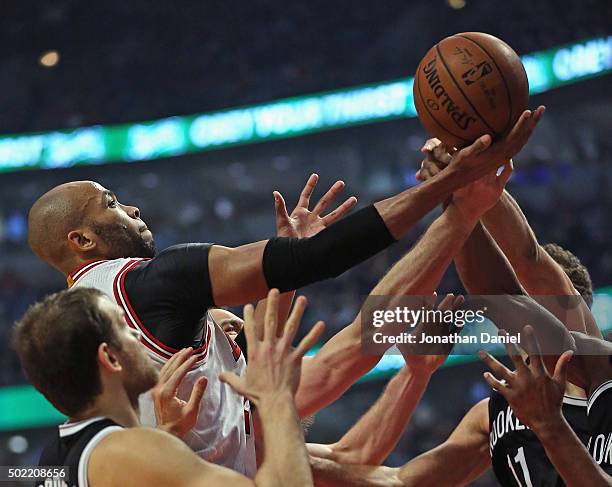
(138, 60)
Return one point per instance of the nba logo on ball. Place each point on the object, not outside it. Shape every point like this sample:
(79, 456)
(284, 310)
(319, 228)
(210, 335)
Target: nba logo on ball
(468, 85)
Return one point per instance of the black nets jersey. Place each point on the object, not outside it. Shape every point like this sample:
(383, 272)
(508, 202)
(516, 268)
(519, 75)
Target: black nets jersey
(599, 412)
(517, 456)
(73, 445)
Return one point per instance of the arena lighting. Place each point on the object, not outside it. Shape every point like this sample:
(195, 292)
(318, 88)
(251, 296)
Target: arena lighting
(23, 407)
(49, 59)
(456, 4)
(290, 117)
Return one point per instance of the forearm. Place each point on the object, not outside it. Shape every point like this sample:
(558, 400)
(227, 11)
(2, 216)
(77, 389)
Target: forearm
(449, 468)
(328, 473)
(510, 229)
(285, 459)
(327, 375)
(367, 442)
(483, 268)
(420, 271)
(340, 362)
(537, 271)
(569, 456)
(401, 212)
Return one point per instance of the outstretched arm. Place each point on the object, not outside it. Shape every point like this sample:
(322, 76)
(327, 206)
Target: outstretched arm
(366, 442)
(537, 271)
(244, 274)
(340, 362)
(487, 274)
(462, 458)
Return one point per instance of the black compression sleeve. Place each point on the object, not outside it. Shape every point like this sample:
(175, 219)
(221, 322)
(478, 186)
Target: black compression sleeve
(290, 263)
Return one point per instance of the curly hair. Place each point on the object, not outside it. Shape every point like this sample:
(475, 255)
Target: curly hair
(575, 270)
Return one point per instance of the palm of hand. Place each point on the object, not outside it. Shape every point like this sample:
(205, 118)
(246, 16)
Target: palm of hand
(302, 223)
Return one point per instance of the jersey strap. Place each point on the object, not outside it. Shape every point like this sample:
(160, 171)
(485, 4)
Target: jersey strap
(598, 392)
(80, 271)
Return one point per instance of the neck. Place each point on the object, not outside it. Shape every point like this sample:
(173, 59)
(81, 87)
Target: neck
(114, 405)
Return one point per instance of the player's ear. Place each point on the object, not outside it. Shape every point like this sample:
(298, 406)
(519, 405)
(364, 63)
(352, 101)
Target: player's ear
(80, 241)
(108, 359)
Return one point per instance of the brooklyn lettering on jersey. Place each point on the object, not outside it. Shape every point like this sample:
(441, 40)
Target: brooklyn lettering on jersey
(600, 448)
(505, 422)
(457, 114)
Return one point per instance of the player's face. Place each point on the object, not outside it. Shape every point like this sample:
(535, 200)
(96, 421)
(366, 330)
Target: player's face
(119, 228)
(139, 371)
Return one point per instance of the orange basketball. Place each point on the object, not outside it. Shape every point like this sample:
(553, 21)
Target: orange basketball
(468, 85)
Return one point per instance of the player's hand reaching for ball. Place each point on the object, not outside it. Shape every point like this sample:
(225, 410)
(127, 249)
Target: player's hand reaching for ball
(534, 395)
(482, 156)
(303, 222)
(476, 198)
(273, 366)
(172, 413)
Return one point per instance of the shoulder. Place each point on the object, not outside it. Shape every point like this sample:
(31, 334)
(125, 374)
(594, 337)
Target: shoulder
(150, 457)
(140, 452)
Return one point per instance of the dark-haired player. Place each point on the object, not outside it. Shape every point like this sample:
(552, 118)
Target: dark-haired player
(536, 397)
(82, 230)
(77, 350)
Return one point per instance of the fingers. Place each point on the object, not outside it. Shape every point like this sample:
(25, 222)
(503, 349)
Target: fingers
(447, 302)
(522, 130)
(271, 315)
(496, 367)
(533, 349)
(340, 211)
(252, 329)
(458, 301)
(197, 393)
(537, 115)
(293, 322)
(304, 200)
(560, 374)
(495, 384)
(173, 363)
(179, 374)
(430, 145)
(309, 340)
(480, 145)
(280, 208)
(235, 382)
(514, 353)
(328, 197)
(441, 154)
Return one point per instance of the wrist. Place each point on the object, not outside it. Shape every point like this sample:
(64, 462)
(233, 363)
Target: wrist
(171, 430)
(550, 428)
(461, 218)
(272, 403)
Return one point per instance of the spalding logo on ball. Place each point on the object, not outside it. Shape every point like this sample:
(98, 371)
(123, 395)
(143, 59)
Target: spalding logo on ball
(468, 85)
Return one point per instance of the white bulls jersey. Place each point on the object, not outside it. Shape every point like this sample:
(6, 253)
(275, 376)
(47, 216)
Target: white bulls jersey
(224, 432)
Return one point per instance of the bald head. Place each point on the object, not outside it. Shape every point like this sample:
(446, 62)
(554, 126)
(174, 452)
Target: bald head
(79, 221)
(55, 214)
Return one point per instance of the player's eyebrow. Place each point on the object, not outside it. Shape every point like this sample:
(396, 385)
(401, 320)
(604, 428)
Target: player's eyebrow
(105, 193)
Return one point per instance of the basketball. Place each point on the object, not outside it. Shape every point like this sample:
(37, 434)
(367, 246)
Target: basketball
(468, 85)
